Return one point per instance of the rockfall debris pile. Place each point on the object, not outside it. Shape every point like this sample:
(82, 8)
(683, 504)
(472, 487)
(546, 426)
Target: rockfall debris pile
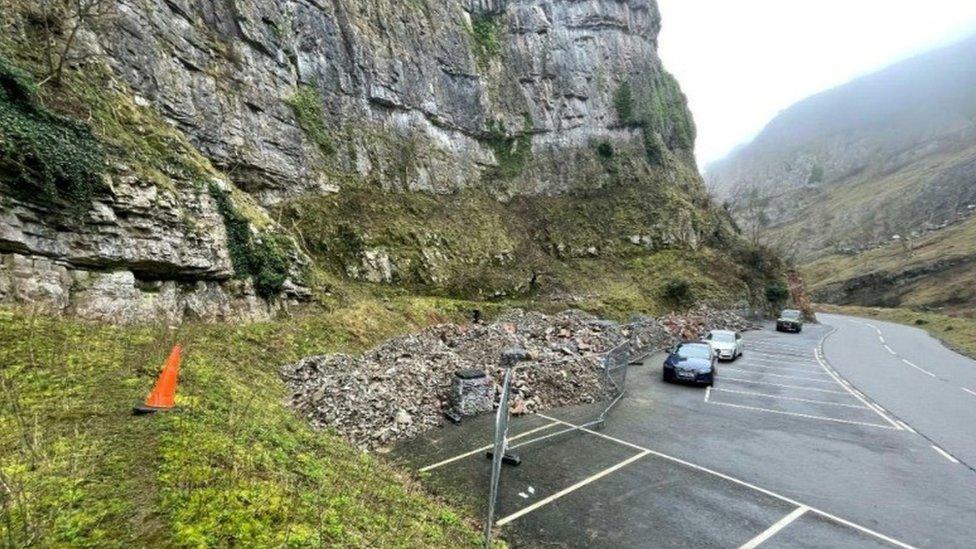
(399, 388)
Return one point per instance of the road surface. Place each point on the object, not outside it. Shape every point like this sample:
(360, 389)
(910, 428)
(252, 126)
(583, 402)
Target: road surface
(821, 439)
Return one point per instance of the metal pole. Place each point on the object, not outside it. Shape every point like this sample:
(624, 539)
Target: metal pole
(501, 439)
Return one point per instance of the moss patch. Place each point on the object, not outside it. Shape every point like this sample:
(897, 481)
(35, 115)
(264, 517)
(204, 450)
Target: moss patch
(307, 106)
(486, 37)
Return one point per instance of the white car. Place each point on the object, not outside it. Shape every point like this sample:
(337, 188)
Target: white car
(726, 344)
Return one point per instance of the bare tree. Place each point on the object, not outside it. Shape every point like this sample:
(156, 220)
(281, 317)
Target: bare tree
(62, 21)
(752, 210)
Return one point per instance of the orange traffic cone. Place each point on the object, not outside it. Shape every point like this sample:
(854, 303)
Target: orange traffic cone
(163, 396)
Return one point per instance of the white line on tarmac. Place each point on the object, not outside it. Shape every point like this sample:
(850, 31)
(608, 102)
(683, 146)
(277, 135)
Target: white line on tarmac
(907, 427)
(772, 360)
(708, 392)
(735, 379)
(485, 448)
(890, 350)
(505, 520)
(944, 454)
(808, 416)
(818, 371)
(919, 368)
(969, 391)
(772, 530)
(881, 339)
(845, 385)
(812, 401)
(810, 379)
(740, 482)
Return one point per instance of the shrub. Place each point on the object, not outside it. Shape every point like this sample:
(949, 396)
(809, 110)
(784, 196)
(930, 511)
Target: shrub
(623, 103)
(677, 291)
(50, 157)
(605, 150)
(776, 293)
(816, 174)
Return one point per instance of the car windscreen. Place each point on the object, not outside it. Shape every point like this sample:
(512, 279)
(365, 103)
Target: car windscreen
(791, 314)
(693, 351)
(723, 337)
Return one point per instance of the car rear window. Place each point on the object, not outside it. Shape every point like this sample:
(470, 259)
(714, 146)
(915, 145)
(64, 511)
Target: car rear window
(791, 314)
(693, 351)
(723, 337)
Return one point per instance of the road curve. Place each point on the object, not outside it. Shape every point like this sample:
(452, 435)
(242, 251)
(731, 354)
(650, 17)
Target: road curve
(912, 375)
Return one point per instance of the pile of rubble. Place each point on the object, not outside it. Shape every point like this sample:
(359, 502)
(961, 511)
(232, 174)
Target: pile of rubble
(399, 389)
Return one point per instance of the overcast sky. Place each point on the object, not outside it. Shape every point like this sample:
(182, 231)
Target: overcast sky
(742, 61)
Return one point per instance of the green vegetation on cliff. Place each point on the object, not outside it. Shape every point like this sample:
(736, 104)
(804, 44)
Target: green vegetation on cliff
(232, 467)
(43, 155)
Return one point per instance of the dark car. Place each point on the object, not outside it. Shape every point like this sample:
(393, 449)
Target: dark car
(691, 362)
(790, 320)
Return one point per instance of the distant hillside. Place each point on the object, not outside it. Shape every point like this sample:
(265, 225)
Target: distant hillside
(888, 153)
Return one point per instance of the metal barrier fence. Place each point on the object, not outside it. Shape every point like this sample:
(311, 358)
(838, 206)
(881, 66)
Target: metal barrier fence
(615, 364)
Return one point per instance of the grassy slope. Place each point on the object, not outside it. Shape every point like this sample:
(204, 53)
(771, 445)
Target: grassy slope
(947, 287)
(232, 467)
(958, 333)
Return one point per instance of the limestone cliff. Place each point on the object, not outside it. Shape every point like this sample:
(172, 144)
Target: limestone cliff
(213, 114)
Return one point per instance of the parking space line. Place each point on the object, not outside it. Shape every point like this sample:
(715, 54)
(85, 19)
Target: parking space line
(944, 454)
(800, 359)
(969, 391)
(735, 379)
(740, 482)
(810, 379)
(811, 371)
(917, 367)
(769, 360)
(772, 530)
(485, 448)
(808, 416)
(798, 399)
(545, 501)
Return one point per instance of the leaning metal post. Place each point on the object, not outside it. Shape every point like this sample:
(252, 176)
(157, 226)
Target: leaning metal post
(509, 359)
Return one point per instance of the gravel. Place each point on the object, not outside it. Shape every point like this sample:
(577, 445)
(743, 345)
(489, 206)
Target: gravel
(399, 389)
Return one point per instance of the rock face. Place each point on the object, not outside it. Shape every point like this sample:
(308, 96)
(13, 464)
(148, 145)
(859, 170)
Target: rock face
(296, 98)
(419, 95)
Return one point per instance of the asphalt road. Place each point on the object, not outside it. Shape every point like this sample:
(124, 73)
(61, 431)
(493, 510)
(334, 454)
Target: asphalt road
(792, 447)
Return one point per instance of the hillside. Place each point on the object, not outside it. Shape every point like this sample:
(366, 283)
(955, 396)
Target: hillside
(885, 154)
(884, 160)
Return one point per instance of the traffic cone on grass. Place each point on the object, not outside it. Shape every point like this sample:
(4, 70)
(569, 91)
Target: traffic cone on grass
(163, 396)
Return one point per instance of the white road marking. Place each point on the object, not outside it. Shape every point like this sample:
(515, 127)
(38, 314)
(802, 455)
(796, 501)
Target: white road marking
(523, 495)
(907, 427)
(808, 416)
(812, 401)
(708, 392)
(919, 368)
(531, 490)
(857, 394)
(944, 454)
(890, 350)
(735, 379)
(740, 482)
(881, 339)
(969, 391)
(777, 361)
(505, 520)
(772, 530)
(810, 379)
(486, 448)
(811, 371)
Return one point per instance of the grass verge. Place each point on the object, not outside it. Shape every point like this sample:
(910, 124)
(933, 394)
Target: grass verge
(232, 467)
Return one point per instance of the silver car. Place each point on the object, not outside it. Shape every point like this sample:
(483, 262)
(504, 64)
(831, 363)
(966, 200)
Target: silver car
(726, 344)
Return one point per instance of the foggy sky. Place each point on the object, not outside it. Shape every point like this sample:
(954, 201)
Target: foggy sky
(740, 62)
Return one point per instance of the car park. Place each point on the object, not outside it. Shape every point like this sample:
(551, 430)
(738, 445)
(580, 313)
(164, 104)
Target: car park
(727, 344)
(691, 362)
(790, 320)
